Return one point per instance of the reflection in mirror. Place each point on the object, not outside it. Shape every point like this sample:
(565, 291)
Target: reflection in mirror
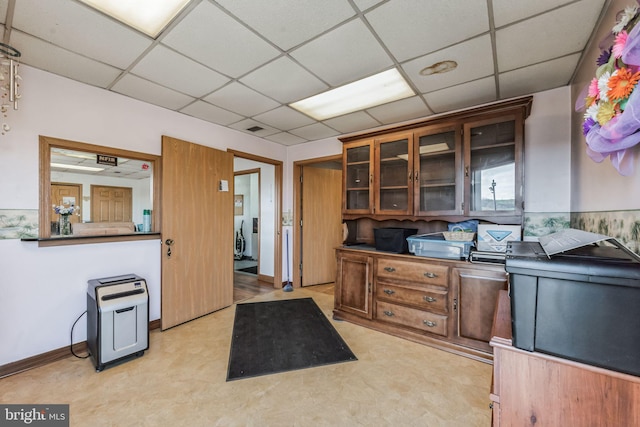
(94, 190)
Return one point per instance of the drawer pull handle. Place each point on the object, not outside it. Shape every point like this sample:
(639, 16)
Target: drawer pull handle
(430, 275)
(430, 324)
(389, 291)
(429, 299)
(388, 313)
(389, 269)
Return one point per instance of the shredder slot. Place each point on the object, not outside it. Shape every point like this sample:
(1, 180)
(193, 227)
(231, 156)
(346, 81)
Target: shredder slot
(122, 294)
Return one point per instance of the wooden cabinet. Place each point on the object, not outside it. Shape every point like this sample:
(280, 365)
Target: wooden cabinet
(476, 290)
(353, 293)
(442, 303)
(531, 388)
(466, 165)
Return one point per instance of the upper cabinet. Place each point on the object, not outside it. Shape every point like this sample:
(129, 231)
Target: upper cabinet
(465, 165)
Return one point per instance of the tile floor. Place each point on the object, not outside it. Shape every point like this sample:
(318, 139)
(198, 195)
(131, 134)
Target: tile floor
(181, 381)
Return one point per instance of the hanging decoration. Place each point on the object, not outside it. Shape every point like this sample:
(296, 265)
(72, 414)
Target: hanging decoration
(9, 83)
(611, 103)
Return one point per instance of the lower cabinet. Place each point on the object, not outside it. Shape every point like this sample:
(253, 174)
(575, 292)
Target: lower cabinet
(353, 291)
(442, 303)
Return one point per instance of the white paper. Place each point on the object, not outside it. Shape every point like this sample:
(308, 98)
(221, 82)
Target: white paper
(224, 185)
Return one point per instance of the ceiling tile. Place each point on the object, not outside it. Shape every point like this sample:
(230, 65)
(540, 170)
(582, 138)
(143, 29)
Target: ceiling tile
(47, 57)
(366, 4)
(80, 29)
(504, 11)
(398, 111)
(474, 58)
(462, 96)
(211, 113)
(284, 118)
(413, 28)
(330, 56)
(211, 37)
(271, 81)
(286, 23)
(246, 124)
(539, 77)
(152, 93)
(352, 122)
(242, 100)
(547, 36)
(314, 131)
(170, 69)
(286, 138)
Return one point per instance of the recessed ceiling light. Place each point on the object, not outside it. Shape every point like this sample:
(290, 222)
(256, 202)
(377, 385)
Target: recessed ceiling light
(439, 68)
(366, 93)
(148, 16)
(77, 167)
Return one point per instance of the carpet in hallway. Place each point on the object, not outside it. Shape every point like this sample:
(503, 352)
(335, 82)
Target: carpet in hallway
(279, 336)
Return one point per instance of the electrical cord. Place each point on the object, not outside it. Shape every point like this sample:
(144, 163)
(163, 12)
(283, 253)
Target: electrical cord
(71, 346)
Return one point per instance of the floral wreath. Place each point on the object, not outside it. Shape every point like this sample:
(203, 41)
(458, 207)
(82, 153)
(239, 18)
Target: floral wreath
(612, 105)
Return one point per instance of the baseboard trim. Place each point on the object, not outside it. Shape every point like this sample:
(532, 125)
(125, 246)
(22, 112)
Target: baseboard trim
(43, 359)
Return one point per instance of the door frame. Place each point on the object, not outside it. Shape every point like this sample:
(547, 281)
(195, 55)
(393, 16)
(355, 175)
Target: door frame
(297, 210)
(277, 246)
(251, 172)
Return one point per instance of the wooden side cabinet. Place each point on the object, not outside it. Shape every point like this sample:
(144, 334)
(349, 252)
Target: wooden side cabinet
(353, 293)
(535, 389)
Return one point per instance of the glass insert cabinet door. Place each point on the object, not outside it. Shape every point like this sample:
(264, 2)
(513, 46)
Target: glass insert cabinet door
(358, 179)
(493, 167)
(438, 177)
(393, 183)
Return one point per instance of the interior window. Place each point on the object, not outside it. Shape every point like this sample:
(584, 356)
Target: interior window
(90, 190)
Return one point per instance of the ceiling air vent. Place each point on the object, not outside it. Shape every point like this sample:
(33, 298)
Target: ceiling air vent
(254, 128)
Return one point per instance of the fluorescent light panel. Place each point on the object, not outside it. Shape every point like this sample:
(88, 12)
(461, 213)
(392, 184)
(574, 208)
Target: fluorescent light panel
(147, 16)
(366, 93)
(77, 167)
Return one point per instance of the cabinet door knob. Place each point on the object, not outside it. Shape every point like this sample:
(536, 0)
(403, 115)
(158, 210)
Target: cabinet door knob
(388, 313)
(429, 299)
(389, 291)
(430, 275)
(430, 324)
(389, 269)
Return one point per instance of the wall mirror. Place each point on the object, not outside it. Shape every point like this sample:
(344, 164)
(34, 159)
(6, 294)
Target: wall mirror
(89, 191)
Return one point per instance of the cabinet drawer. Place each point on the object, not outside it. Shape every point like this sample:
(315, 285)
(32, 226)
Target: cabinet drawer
(394, 269)
(411, 317)
(428, 299)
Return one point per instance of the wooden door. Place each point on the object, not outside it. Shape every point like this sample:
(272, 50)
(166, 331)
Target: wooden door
(69, 193)
(111, 204)
(197, 218)
(321, 224)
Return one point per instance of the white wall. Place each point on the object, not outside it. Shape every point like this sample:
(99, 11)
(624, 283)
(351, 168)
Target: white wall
(598, 186)
(547, 152)
(43, 290)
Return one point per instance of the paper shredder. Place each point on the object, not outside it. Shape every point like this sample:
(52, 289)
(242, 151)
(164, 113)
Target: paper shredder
(117, 319)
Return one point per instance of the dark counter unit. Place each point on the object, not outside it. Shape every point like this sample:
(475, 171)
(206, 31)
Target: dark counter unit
(582, 304)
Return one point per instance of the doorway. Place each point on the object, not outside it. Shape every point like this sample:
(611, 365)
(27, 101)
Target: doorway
(246, 207)
(317, 219)
(267, 227)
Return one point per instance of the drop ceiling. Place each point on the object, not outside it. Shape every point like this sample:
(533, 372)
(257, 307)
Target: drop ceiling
(240, 63)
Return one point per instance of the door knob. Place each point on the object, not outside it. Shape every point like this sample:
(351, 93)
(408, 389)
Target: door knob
(169, 242)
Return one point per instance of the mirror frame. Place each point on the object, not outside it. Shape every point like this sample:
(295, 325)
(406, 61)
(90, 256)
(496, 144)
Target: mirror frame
(44, 217)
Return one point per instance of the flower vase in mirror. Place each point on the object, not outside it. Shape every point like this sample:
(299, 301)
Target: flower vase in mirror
(64, 221)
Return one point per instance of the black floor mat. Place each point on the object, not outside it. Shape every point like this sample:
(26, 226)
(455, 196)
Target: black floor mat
(252, 270)
(278, 336)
